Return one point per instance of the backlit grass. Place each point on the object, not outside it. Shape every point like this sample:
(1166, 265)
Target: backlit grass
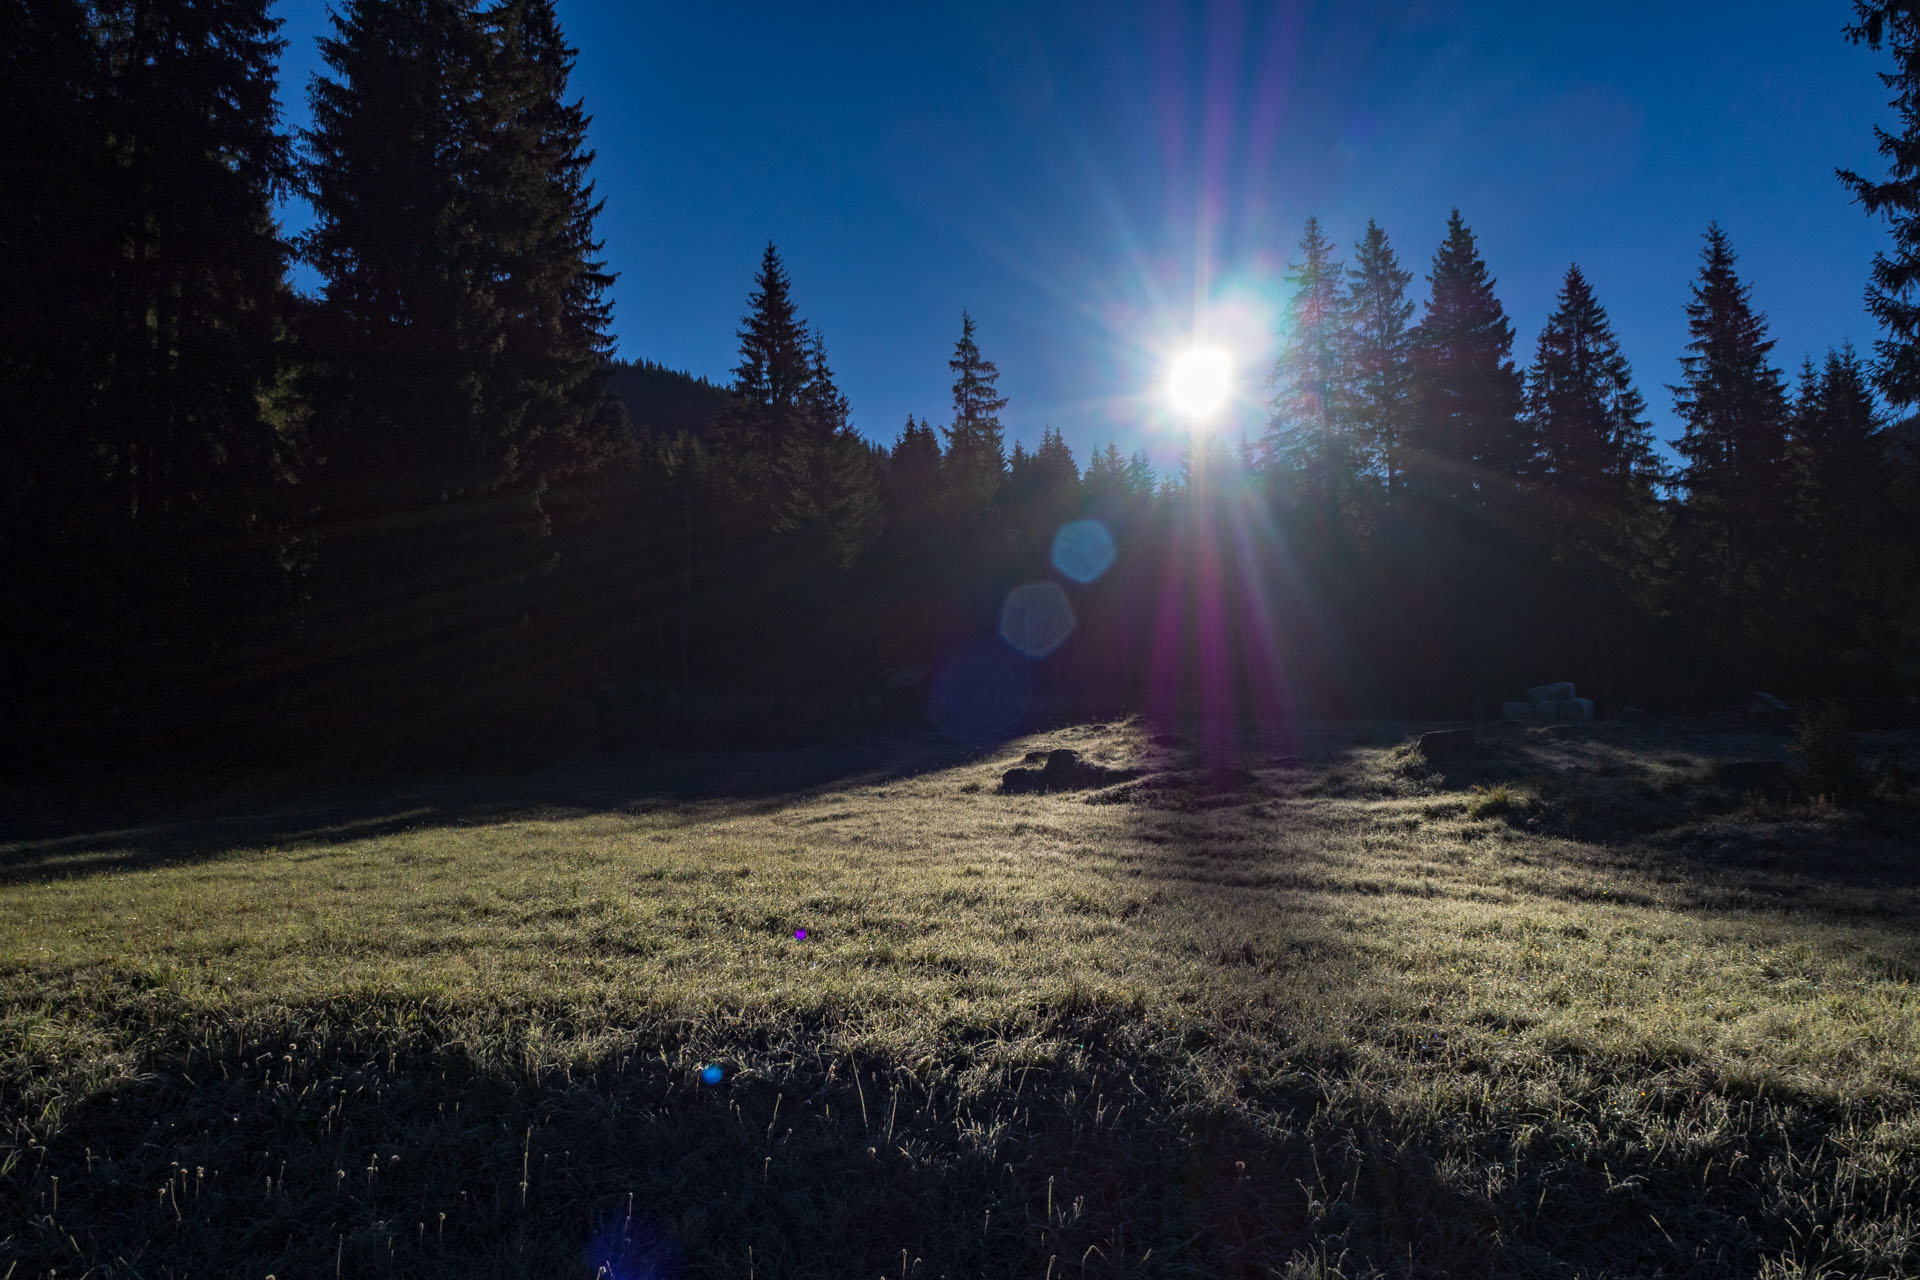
(1350, 1019)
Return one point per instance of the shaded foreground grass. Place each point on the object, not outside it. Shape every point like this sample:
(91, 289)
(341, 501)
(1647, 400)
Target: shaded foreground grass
(1348, 1019)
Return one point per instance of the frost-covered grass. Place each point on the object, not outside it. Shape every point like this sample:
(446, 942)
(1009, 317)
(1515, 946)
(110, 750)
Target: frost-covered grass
(1347, 1019)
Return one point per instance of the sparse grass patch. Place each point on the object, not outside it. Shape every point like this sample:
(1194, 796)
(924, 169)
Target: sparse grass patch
(1496, 801)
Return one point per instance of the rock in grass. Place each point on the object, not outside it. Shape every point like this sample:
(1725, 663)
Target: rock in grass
(1446, 746)
(1063, 771)
(1544, 695)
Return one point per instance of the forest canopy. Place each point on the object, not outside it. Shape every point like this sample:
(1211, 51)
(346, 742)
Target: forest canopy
(425, 512)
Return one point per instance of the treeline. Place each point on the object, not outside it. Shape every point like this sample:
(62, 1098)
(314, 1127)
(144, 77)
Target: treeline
(409, 519)
(242, 520)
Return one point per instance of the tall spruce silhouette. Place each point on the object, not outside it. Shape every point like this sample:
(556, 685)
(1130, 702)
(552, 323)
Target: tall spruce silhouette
(142, 304)
(776, 362)
(456, 355)
(1470, 445)
(197, 162)
(1307, 439)
(1379, 358)
(1732, 404)
(976, 459)
(1893, 294)
(546, 384)
(408, 323)
(1596, 467)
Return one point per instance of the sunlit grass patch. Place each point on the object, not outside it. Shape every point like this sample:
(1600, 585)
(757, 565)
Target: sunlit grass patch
(1333, 1020)
(1495, 801)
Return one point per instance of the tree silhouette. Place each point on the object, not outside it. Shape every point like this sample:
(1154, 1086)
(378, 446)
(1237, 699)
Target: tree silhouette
(1379, 362)
(1596, 465)
(1896, 274)
(1306, 435)
(1470, 444)
(976, 458)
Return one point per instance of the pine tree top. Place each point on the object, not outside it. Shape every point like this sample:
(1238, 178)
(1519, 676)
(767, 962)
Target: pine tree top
(775, 356)
(1463, 307)
(1731, 399)
(1377, 283)
(976, 399)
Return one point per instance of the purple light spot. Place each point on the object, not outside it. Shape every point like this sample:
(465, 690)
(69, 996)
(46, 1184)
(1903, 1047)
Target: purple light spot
(799, 935)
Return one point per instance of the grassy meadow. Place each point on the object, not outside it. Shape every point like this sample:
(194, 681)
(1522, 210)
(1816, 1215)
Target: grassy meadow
(1610, 1001)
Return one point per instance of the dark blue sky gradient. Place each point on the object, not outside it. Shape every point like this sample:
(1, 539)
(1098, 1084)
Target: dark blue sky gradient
(1093, 180)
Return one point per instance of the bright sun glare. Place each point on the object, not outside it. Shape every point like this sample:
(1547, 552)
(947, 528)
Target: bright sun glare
(1197, 384)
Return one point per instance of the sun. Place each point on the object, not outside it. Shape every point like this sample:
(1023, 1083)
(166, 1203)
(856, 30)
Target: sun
(1198, 382)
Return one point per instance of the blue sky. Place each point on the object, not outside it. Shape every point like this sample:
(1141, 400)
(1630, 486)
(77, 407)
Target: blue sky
(1095, 181)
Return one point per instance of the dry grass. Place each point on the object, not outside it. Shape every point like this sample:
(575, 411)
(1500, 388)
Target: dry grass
(1619, 1011)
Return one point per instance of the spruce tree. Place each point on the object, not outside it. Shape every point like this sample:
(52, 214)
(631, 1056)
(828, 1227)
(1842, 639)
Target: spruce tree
(1141, 480)
(824, 409)
(1732, 403)
(546, 380)
(408, 325)
(140, 314)
(975, 457)
(1469, 444)
(1895, 26)
(457, 352)
(913, 476)
(1306, 435)
(197, 164)
(1059, 473)
(1380, 371)
(1106, 475)
(1838, 458)
(57, 293)
(776, 362)
(1596, 463)
(825, 489)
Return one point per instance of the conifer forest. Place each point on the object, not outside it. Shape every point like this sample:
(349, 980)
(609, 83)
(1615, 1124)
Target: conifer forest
(483, 796)
(425, 508)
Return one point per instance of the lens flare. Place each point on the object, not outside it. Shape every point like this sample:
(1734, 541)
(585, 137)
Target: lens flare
(1083, 550)
(626, 1247)
(979, 694)
(1198, 382)
(1036, 618)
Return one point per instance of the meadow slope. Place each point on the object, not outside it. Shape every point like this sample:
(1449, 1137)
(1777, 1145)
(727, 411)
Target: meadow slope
(1604, 1002)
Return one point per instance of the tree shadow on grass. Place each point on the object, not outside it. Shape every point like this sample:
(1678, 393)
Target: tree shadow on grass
(304, 1150)
(48, 836)
(321, 1144)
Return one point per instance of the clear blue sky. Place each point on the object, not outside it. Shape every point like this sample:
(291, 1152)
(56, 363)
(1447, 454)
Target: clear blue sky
(1092, 180)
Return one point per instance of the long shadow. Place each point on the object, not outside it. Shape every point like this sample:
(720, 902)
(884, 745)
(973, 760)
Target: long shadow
(44, 837)
(309, 1149)
(1724, 820)
(1702, 819)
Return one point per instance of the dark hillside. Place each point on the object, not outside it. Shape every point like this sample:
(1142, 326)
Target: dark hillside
(665, 402)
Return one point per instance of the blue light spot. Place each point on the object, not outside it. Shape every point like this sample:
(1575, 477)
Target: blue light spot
(1083, 550)
(629, 1248)
(1036, 619)
(978, 695)
(711, 1074)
